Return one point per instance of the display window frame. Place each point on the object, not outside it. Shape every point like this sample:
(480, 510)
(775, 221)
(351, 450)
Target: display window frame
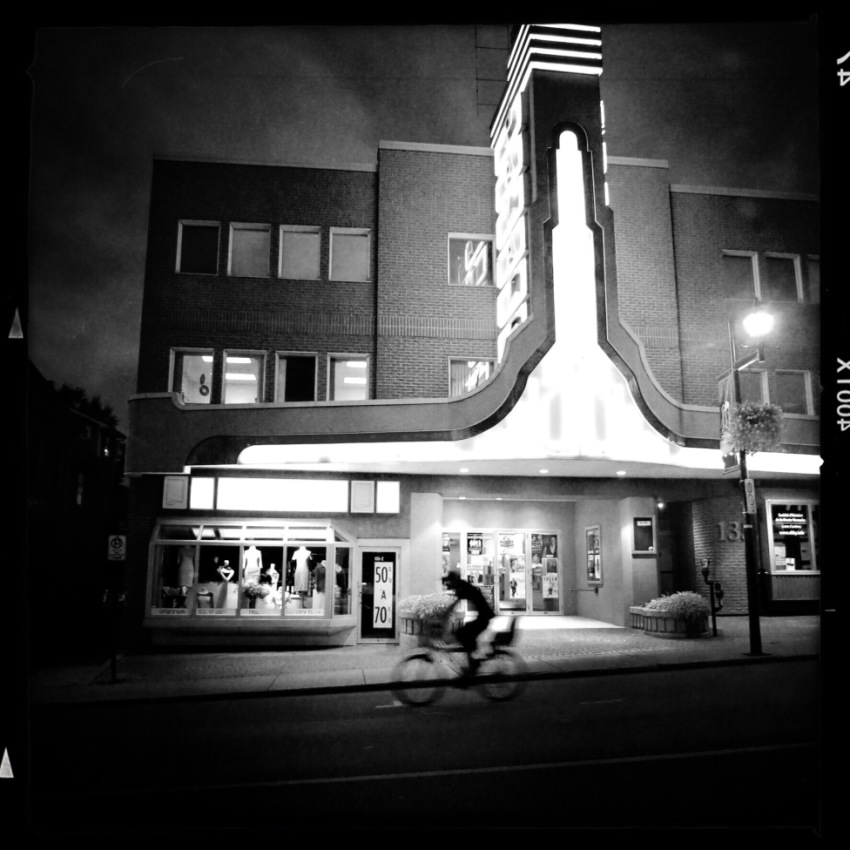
(207, 540)
(810, 538)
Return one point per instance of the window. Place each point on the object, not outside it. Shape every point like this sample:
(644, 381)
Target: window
(197, 247)
(249, 250)
(192, 375)
(813, 274)
(349, 378)
(793, 536)
(753, 385)
(299, 253)
(740, 275)
(296, 377)
(466, 375)
(794, 392)
(350, 253)
(470, 260)
(782, 278)
(240, 570)
(243, 378)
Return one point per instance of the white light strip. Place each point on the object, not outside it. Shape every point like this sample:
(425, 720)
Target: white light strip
(239, 376)
(354, 381)
(582, 27)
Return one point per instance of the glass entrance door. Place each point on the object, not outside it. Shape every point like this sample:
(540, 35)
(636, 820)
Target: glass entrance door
(378, 582)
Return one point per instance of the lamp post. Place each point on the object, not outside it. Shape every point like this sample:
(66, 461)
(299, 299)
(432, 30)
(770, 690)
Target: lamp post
(757, 324)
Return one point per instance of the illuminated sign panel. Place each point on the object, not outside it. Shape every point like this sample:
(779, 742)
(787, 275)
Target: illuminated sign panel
(511, 164)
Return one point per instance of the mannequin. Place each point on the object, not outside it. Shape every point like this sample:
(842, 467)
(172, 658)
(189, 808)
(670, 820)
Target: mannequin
(273, 575)
(186, 569)
(252, 565)
(225, 596)
(319, 592)
(302, 558)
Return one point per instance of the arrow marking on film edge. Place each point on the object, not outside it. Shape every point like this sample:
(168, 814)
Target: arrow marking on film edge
(6, 766)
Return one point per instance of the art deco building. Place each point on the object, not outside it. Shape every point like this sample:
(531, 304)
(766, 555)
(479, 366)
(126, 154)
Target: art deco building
(505, 359)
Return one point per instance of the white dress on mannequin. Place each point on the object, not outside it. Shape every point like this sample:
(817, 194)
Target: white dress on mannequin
(186, 569)
(302, 558)
(252, 565)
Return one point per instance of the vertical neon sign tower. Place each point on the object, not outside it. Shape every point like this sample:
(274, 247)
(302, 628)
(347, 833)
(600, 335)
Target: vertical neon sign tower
(553, 88)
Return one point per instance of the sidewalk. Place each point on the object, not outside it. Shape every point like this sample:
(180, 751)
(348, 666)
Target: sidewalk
(551, 647)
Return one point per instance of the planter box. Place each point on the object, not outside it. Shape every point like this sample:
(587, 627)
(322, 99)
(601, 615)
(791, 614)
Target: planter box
(660, 624)
(414, 631)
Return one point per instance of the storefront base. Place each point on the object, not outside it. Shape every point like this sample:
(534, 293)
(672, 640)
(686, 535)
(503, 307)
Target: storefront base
(251, 634)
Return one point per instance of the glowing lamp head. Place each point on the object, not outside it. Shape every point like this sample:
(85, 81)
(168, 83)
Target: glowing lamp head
(758, 324)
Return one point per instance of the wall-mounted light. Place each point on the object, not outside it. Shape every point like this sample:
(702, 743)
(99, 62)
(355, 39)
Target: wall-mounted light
(659, 503)
(621, 472)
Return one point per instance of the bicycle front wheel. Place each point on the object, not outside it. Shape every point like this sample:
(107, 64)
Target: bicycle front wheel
(416, 680)
(501, 675)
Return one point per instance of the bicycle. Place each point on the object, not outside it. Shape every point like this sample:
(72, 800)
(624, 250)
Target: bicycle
(422, 676)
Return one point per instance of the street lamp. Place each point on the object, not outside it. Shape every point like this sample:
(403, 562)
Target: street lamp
(757, 325)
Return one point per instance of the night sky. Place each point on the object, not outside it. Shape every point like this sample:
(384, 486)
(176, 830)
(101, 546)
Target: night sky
(729, 105)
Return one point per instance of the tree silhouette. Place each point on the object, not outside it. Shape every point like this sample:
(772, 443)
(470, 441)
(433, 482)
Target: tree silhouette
(77, 399)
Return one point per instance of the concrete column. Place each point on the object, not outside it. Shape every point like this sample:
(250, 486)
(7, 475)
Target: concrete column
(426, 545)
(640, 572)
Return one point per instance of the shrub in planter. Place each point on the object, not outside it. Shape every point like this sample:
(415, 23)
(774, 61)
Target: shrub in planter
(682, 613)
(426, 615)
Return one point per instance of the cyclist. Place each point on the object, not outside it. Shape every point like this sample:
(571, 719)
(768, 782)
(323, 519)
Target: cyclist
(467, 634)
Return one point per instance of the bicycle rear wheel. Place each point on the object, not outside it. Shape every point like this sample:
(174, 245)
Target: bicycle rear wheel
(416, 679)
(501, 675)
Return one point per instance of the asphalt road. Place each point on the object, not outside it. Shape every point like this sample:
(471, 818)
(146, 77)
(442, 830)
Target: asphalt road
(715, 748)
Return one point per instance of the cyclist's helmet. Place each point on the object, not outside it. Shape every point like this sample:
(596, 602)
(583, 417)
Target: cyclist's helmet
(451, 579)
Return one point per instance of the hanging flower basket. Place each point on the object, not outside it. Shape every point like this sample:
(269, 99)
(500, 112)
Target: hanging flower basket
(753, 427)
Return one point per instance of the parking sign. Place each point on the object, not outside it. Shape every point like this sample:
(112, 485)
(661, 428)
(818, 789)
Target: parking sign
(117, 547)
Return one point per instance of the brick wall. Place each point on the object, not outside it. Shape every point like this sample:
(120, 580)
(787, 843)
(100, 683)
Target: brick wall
(268, 314)
(705, 226)
(717, 539)
(646, 276)
(423, 320)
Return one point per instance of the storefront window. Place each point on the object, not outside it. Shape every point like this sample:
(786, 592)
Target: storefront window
(222, 569)
(793, 536)
(342, 581)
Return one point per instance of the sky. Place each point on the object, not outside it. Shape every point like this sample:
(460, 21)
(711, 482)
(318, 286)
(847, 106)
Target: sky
(732, 104)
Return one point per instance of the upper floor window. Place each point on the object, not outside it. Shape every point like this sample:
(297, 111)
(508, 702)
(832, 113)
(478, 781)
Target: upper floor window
(243, 377)
(740, 274)
(753, 386)
(466, 375)
(348, 378)
(300, 249)
(470, 260)
(295, 377)
(192, 375)
(350, 253)
(249, 250)
(782, 280)
(197, 247)
(794, 392)
(813, 279)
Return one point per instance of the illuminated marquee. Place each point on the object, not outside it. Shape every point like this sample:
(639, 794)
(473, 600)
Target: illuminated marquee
(563, 48)
(511, 162)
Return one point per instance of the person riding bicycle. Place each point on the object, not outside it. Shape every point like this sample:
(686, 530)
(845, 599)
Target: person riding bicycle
(467, 634)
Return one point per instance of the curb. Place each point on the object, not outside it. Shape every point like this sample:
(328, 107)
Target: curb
(387, 685)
